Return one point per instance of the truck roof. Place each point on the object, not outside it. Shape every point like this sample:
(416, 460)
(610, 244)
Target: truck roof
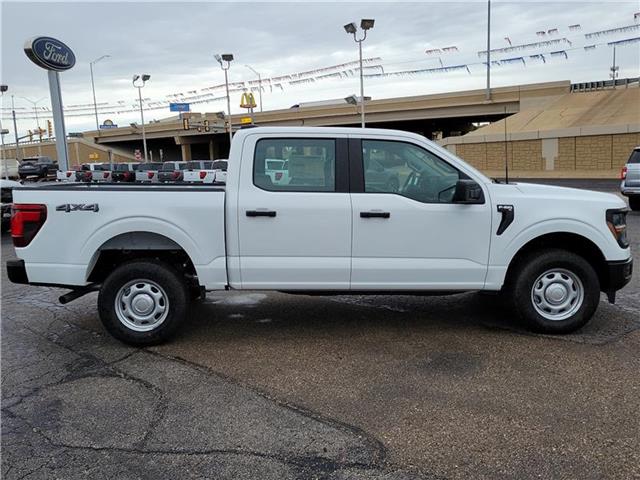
(326, 130)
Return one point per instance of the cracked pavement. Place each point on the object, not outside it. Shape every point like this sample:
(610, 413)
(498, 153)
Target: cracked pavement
(267, 385)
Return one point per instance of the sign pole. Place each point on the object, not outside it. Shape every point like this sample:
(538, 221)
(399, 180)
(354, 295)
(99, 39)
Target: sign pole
(15, 130)
(58, 120)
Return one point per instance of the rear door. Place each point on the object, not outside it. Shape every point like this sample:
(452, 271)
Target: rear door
(295, 236)
(409, 235)
(633, 170)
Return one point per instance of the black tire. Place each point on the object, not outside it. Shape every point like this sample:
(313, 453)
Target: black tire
(634, 202)
(530, 269)
(156, 273)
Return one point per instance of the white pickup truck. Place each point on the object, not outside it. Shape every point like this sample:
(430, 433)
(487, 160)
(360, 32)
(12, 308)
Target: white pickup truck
(446, 228)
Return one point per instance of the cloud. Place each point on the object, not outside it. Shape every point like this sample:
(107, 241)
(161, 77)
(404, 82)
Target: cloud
(175, 43)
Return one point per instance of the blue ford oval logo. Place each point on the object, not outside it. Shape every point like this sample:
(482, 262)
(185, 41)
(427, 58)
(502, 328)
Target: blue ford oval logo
(49, 53)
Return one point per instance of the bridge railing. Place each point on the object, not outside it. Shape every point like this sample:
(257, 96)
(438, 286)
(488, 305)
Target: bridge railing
(605, 84)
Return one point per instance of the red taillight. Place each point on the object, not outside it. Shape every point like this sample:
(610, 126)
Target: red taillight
(88, 175)
(105, 175)
(149, 174)
(26, 220)
(202, 175)
(278, 175)
(126, 175)
(176, 175)
(69, 174)
(623, 173)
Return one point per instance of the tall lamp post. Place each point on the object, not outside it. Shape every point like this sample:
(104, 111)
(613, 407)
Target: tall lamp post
(35, 107)
(93, 89)
(352, 28)
(138, 82)
(259, 83)
(225, 62)
(3, 88)
(488, 91)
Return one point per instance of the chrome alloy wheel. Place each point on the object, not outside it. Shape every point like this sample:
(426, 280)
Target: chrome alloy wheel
(142, 305)
(557, 294)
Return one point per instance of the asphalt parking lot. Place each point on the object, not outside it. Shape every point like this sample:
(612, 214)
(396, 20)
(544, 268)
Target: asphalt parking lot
(293, 387)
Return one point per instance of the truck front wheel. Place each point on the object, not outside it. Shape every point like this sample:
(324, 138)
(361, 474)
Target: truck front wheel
(143, 302)
(555, 291)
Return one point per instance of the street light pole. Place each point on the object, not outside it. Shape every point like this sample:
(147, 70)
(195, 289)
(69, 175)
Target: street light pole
(225, 62)
(351, 28)
(488, 92)
(3, 88)
(259, 84)
(141, 80)
(93, 89)
(35, 108)
(15, 130)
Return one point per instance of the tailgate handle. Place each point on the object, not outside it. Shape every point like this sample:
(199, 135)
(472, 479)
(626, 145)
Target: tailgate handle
(261, 213)
(375, 214)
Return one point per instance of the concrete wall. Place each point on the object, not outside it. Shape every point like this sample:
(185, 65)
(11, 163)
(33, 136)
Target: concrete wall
(79, 152)
(581, 156)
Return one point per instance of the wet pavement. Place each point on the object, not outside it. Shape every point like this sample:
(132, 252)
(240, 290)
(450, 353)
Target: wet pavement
(268, 385)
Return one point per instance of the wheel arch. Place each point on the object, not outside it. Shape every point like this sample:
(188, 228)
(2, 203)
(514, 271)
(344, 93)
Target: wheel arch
(572, 242)
(138, 244)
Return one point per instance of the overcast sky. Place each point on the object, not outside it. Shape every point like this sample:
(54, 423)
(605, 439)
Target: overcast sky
(175, 43)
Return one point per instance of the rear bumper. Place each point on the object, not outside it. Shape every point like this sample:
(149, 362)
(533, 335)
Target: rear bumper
(618, 274)
(17, 272)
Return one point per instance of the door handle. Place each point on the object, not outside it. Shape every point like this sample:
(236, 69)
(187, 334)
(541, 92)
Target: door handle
(375, 214)
(261, 213)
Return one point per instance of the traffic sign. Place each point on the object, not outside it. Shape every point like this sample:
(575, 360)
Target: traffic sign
(179, 107)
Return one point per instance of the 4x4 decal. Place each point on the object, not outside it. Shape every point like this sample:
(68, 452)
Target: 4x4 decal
(78, 207)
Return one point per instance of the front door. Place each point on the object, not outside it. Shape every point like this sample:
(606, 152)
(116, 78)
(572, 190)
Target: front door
(294, 230)
(407, 232)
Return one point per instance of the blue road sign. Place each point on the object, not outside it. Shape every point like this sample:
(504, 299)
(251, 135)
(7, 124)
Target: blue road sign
(106, 126)
(178, 107)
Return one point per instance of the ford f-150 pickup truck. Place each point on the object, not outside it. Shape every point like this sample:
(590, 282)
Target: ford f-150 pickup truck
(331, 229)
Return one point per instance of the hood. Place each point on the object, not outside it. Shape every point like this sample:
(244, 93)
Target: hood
(566, 193)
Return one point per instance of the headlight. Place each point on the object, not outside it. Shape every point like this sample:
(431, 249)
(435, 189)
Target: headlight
(617, 223)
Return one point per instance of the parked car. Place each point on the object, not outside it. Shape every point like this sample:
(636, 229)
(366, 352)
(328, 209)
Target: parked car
(93, 172)
(148, 172)
(199, 171)
(630, 177)
(38, 167)
(6, 192)
(9, 168)
(220, 169)
(124, 172)
(277, 170)
(550, 250)
(172, 171)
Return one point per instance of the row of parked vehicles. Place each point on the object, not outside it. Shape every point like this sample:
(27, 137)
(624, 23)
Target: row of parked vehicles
(194, 171)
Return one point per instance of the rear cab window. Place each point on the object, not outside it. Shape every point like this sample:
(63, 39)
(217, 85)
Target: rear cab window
(310, 164)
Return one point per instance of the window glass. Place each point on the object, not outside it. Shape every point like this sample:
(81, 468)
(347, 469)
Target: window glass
(635, 157)
(408, 170)
(220, 165)
(295, 164)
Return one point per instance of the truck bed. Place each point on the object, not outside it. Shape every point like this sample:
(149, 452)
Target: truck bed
(84, 219)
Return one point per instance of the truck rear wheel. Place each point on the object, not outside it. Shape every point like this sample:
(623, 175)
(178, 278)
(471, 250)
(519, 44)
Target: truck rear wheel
(555, 291)
(143, 302)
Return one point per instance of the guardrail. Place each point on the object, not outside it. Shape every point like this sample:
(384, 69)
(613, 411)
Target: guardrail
(604, 84)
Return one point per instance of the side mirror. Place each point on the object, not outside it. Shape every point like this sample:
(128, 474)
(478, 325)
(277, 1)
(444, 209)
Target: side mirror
(468, 192)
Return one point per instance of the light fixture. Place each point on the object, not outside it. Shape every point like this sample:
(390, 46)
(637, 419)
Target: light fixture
(351, 99)
(367, 23)
(145, 77)
(351, 27)
(227, 57)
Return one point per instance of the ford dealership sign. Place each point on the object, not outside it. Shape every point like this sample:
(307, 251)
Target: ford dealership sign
(49, 53)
